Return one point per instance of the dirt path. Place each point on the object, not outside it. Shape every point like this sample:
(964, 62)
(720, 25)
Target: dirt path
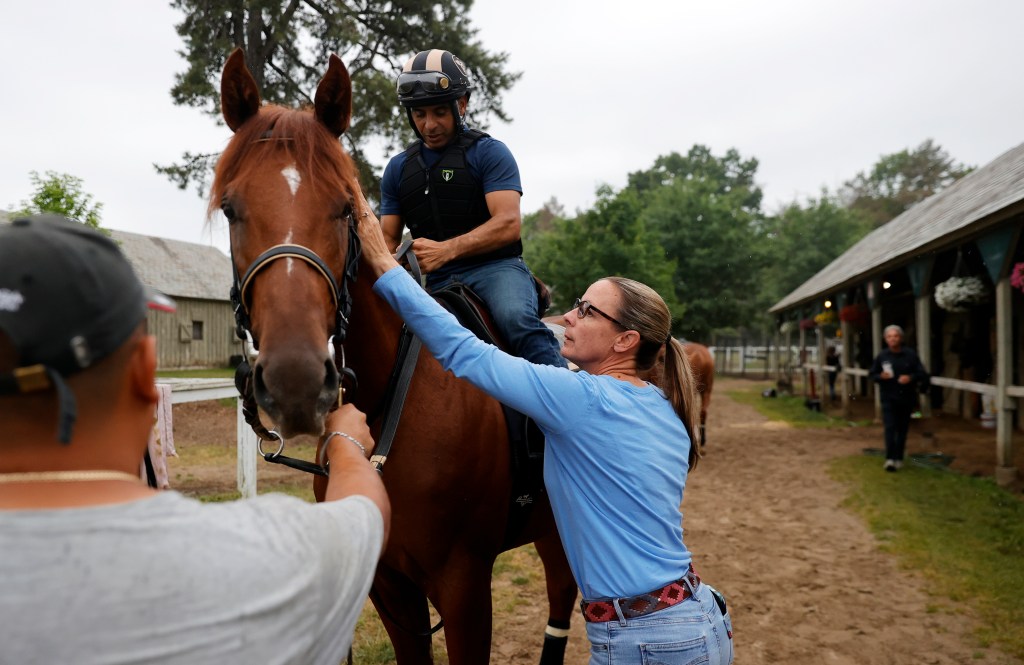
(806, 581)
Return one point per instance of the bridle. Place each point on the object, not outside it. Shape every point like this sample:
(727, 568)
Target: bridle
(340, 297)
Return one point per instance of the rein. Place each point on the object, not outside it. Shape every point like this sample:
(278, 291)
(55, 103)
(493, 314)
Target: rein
(401, 374)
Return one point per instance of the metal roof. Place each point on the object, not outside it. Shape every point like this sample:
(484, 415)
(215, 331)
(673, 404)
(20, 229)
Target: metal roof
(977, 201)
(179, 269)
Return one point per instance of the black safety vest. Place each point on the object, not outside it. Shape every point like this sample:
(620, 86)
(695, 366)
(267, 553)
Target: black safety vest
(445, 200)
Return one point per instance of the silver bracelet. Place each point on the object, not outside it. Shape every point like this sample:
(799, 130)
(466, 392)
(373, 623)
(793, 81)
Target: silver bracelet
(347, 436)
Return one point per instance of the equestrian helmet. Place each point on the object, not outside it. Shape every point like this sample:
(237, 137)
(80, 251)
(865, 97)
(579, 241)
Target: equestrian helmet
(432, 77)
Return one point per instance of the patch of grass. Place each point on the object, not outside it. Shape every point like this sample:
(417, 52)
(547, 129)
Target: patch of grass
(965, 535)
(790, 409)
(209, 373)
(220, 497)
(371, 643)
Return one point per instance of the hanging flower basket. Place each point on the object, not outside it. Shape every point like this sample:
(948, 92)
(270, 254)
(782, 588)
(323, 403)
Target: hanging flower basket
(958, 294)
(787, 327)
(807, 324)
(1017, 276)
(857, 315)
(826, 318)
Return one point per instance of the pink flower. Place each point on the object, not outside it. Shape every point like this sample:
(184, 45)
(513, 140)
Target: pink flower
(1017, 276)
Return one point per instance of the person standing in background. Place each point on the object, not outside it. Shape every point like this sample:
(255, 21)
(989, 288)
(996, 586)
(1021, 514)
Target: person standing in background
(899, 373)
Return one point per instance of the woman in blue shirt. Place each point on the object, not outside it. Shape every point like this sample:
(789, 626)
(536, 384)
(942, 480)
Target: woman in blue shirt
(617, 454)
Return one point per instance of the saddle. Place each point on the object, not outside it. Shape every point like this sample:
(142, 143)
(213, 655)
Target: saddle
(526, 441)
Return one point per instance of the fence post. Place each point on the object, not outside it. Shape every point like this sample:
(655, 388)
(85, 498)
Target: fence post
(247, 453)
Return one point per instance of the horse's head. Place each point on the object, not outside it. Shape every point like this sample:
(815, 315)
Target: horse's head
(287, 189)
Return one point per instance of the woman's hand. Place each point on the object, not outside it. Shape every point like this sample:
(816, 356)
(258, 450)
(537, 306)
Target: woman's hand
(375, 249)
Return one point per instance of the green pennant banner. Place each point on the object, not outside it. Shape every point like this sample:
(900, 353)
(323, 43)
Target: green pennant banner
(996, 249)
(920, 272)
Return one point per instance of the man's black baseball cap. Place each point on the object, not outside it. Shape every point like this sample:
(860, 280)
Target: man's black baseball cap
(68, 299)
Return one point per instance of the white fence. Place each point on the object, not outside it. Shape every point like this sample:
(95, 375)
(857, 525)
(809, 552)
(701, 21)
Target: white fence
(760, 361)
(200, 390)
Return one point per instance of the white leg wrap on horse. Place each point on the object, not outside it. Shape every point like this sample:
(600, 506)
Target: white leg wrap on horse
(556, 632)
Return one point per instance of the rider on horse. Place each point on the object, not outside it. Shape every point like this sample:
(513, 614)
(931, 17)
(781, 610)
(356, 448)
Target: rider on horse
(457, 189)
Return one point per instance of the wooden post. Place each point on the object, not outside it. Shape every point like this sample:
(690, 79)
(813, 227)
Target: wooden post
(876, 345)
(803, 361)
(743, 356)
(923, 318)
(1005, 473)
(247, 453)
(822, 379)
(845, 330)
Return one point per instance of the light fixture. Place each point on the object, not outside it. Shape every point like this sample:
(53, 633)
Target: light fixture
(828, 304)
(886, 285)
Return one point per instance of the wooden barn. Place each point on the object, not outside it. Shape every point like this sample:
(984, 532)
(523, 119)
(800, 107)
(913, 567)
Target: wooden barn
(943, 271)
(202, 332)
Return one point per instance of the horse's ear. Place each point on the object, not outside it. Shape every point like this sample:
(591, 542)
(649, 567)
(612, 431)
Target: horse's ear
(239, 96)
(333, 101)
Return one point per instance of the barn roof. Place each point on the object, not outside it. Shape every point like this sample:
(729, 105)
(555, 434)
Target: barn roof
(977, 201)
(179, 269)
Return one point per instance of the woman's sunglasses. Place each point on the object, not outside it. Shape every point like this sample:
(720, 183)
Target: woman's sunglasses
(585, 307)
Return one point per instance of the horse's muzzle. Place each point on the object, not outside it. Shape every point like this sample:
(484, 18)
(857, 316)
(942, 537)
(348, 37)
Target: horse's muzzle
(295, 393)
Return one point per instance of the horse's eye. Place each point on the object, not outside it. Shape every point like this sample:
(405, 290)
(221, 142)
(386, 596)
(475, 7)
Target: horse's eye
(228, 211)
(345, 213)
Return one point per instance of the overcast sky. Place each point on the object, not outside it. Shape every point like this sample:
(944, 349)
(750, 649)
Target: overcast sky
(816, 90)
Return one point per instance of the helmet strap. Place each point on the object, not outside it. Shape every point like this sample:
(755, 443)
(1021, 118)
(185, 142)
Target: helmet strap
(408, 114)
(460, 123)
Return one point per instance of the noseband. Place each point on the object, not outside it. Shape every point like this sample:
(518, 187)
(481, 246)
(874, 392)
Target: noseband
(340, 297)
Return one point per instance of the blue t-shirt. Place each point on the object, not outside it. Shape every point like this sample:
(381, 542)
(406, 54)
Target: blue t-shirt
(489, 161)
(615, 461)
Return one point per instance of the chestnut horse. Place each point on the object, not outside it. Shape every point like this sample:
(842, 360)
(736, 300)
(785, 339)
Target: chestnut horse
(702, 363)
(287, 188)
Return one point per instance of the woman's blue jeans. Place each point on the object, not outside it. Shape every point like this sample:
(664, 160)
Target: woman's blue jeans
(694, 631)
(507, 286)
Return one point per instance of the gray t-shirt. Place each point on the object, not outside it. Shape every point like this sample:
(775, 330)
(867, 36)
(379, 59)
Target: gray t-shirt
(170, 580)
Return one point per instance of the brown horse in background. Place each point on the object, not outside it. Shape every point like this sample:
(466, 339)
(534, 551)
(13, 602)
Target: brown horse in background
(287, 189)
(702, 363)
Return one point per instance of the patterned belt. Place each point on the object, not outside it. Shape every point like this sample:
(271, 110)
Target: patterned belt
(598, 611)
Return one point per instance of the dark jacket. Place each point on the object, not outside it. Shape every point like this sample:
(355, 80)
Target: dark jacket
(903, 362)
(446, 200)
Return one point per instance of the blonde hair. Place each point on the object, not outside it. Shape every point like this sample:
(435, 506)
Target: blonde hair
(644, 311)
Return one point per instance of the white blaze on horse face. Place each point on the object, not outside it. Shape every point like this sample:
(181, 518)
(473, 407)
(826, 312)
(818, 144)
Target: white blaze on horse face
(289, 262)
(292, 177)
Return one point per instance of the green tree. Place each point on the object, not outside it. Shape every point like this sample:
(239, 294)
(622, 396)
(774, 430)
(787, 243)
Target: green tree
(62, 194)
(610, 239)
(803, 239)
(287, 44)
(730, 175)
(705, 212)
(899, 180)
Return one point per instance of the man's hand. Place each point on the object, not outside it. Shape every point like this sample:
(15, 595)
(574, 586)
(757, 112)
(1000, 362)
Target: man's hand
(431, 254)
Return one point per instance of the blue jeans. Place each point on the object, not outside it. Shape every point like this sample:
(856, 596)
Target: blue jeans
(507, 287)
(694, 631)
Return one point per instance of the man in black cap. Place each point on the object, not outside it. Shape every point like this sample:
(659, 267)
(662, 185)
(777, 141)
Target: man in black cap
(99, 567)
